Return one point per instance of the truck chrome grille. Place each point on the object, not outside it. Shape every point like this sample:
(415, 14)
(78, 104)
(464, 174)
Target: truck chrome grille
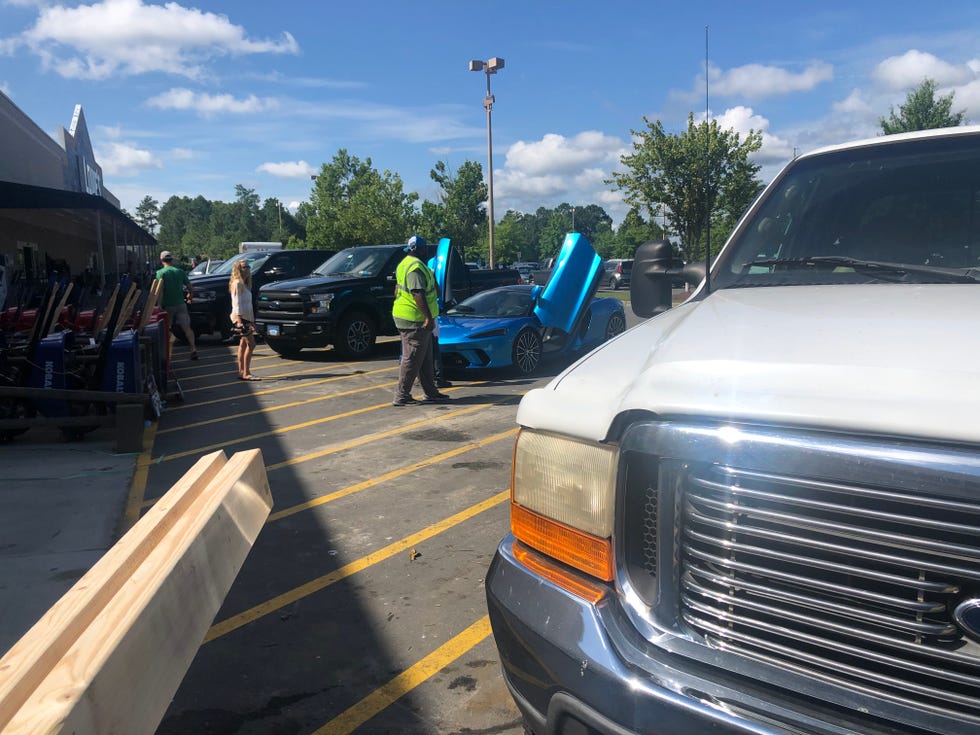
(852, 585)
(283, 305)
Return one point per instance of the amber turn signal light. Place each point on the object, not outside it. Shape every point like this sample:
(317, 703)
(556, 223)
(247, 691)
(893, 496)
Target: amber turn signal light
(580, 550)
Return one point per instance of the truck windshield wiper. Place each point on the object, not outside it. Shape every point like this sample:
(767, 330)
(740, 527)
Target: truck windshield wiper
(884, 269)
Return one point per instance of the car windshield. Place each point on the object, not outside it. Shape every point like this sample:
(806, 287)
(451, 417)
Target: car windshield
(497, 302)
(361, 262)
(255, 261)
(906, 211)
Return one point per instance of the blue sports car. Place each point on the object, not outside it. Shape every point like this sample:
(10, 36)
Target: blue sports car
(518, 326)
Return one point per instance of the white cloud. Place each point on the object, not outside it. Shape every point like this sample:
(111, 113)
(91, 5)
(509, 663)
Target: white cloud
(5, 87)
(557, 169)
(209, 105)
(756, 81)
(122, 159)
(743, 120)
(288, 169)
(853, 104)
(293, 206)
(909, 69)
(181, 154)
(126, 37)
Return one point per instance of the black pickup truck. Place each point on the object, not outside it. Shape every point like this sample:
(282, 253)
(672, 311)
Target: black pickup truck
(347, 301)
(210, 306)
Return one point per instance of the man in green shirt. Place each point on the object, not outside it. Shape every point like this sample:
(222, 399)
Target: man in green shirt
(173, 300)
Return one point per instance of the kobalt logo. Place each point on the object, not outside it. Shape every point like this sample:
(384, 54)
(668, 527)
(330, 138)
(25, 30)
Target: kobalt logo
(120, 377)
(48, 373)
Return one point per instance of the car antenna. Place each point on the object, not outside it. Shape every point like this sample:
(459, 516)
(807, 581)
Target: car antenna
(707, 172)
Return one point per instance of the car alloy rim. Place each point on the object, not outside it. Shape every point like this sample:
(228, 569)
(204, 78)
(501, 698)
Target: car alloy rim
(357, 336)
(616, 326)
(527, 351)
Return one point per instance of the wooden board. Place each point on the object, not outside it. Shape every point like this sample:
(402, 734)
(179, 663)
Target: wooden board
(109, 655)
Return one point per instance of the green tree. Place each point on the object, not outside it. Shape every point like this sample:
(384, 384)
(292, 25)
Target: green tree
(460, 215)
(632, 232)
(922, 111)
(353, 204)
(702, 175)
(148, 213)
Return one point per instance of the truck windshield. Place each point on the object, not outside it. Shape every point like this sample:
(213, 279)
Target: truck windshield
(906, 211)
(255, 261)
(359, 262)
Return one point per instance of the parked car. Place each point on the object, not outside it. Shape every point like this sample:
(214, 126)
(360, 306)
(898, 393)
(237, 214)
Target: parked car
(758, 513)
(617, 273)
(210, 307)
(347, 301)
(205, 267)
(519, 326)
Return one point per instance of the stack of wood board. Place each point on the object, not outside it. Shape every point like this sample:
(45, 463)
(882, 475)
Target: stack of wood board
(109, 655)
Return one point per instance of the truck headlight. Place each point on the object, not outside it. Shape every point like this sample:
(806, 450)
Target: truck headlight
(202, 296)
(569, 488)
(321, 301)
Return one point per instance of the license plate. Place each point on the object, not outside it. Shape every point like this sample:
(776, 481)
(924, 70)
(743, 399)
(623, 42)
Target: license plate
(272, 330)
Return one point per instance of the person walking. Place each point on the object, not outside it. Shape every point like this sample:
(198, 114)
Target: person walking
(414, 311)
(240, 287)
(173, 300)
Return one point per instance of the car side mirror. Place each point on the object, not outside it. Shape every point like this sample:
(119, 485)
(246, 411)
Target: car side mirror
(654, 267)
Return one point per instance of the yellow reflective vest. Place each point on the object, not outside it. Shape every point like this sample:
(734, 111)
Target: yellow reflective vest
(404, 306)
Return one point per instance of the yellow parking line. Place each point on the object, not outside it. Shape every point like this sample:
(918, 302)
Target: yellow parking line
(394, 474)
(275, 432)
(270, 409)
(253, 365)
(268, 391)
(356, 715)
(267, 377)
(297, 593)
(374, 437)
(137, 487)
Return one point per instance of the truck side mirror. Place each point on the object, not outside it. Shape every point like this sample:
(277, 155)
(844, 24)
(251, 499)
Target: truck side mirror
(654, 267)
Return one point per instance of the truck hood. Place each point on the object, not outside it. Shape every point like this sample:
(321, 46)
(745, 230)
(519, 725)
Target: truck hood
(309, 284)
(889, 359)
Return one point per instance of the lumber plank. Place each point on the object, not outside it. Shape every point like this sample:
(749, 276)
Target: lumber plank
(109, 656)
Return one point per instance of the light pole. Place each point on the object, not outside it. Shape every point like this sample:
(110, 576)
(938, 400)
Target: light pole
(490, 67)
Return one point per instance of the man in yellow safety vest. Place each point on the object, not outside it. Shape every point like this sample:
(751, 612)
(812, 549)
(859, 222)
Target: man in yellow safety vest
(415, 310)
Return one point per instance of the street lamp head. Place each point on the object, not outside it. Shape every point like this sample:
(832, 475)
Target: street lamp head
(476, 65)
(495, 64)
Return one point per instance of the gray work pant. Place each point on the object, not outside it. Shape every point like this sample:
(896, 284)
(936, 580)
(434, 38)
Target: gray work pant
(416, 363)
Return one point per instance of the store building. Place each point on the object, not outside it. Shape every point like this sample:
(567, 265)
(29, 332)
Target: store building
(56, 216)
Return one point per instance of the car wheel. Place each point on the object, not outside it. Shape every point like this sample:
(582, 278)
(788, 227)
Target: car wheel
(286, 349)
(615, 325)
(526, 352)
(355, 336)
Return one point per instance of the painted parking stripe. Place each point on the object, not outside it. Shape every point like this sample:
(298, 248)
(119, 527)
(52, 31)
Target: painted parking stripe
(367, 439)
(238, 381)
(298, 593)
(137, 486)
(419, 672)
(202, 376)
(269, 391)
(394, 474)
(275, 432)
(270, 409)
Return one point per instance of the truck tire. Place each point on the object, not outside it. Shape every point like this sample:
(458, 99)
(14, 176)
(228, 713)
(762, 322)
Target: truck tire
(281, 347)
(526, 352)
(355, 336)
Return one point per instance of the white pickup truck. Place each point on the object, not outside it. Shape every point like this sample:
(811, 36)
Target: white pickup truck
(759, 512)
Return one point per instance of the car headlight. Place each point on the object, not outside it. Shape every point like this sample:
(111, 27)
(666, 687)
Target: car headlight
(321, 301)
(569, 488)
(203, 296)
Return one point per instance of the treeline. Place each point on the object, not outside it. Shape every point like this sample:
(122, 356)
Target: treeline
(352, 203)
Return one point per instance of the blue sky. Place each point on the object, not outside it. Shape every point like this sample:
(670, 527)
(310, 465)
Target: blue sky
(193, 98)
